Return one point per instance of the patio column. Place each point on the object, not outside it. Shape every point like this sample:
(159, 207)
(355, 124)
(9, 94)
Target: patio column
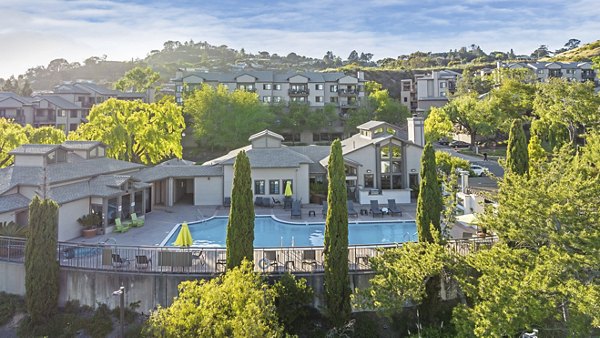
(170, 192)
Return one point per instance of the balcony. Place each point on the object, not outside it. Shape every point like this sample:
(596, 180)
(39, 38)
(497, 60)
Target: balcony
(305, 102)
(247, 89)
(347, 92)
(588, 75)
(298, 92)
(555, 73)
(351, 104)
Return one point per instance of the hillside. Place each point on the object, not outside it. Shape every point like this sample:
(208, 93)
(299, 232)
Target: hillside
(583, 53)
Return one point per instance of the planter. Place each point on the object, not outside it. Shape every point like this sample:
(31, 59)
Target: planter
(88, 233)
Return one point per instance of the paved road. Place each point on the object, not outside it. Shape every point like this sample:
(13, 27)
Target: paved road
(492, 165)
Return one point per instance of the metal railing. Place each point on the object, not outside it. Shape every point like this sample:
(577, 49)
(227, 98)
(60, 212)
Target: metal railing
(173, 260)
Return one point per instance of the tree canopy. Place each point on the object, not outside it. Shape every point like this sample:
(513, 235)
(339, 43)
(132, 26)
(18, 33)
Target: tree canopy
(135, 131)
(237, 304)
(517, 160)
(138, 80)
(44, 135)
(223, 119)
(12, 135)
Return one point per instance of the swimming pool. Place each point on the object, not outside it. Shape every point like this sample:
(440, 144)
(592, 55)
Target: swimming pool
(273, 233)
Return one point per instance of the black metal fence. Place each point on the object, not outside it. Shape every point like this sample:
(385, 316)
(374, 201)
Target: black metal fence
(173, 260)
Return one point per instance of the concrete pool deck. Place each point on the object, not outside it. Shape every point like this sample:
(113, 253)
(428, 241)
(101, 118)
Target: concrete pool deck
(161, 221)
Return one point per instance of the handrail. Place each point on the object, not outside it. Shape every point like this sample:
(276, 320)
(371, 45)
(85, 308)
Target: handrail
(110, 256)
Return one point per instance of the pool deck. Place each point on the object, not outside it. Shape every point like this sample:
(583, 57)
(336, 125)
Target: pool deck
(161, 221)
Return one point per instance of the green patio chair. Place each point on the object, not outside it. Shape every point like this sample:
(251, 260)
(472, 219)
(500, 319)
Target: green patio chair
(120, 227)
(135, 221)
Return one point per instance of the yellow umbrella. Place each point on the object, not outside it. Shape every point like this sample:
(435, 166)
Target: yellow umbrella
(288, 189)
(184, 238)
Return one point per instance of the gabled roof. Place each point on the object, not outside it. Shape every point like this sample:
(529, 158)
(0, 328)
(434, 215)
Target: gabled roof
(270, 158)
(81, 145)
(22, 99)
(316, 154)
(57, 101)
(13, 202)
(177, 168)
(34, 149)
(265, 132)
(261, 76)
(371, 124)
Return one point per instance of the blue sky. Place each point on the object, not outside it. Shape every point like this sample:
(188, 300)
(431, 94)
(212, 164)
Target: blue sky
(34, 32)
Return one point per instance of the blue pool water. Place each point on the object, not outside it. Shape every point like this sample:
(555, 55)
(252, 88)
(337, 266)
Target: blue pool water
(271, 233)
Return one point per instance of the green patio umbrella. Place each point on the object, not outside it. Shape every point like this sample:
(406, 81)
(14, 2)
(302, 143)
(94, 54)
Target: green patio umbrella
(184, 238)
(288, 189)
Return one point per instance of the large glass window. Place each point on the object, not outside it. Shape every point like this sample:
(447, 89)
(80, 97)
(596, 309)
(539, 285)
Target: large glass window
(369, 181)
(259, 187)
(274, 188)
(391, 167)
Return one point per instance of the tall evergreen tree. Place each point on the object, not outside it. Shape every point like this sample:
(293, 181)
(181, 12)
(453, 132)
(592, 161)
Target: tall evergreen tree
(516, 151)
(337, 284)
(240, 228)
(429, 203)
(41, 266)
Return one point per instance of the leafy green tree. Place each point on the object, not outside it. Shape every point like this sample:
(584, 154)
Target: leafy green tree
(41, 266)
(470, 83)
(513, 99)
(437, 125)
(237, 304)
(240, 227)
(224, 120)
(135, 131)
(12, 135)
(138, 80)
(429, 202)
(44, 135)
(293, 297)
(378, 105)
(516, 151)
(568, 104)
(473, 116)
(445, 162)
(336, 280)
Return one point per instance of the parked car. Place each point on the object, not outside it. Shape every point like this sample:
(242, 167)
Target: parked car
(478, 170)
(443, 142)
(459, 144)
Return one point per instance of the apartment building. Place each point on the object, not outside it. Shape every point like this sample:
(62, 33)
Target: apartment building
(573, 71)
(66, 108)
(434, 89)
(408, 94)
(343, 91)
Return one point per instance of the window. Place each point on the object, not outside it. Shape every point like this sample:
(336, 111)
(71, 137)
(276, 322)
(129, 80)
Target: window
(73, 113)
(319, 86)
(406, 99)
(178, 88)
(274, 188)
(443, 94)
(369, 181)
(540, 71)
(276, 98)
(267, 99)
(277, 87)
(60, 113)
(391, 167)
(333, 99)
(73, 126)
(267, 86)
(319, 99)
(179, 100)
(259, 187)
(443, 84)
(333, 88)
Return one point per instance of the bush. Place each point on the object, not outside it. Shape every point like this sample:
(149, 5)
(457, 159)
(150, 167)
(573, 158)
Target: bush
(9, 306)
(90, 221)
(100, 325)
(292, 300)
(13, 229)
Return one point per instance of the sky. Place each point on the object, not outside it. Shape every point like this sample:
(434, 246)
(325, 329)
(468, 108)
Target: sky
(34, 32)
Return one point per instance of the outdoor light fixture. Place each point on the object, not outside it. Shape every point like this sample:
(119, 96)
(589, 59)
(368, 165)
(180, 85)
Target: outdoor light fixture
(121, 294)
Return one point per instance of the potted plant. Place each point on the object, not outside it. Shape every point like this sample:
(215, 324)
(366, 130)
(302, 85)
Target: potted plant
(89, 223)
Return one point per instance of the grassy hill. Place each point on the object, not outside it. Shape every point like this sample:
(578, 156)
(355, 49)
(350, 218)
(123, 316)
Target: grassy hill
(583, 53)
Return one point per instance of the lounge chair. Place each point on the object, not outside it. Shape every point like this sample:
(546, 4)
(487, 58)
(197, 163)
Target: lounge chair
(324, 212)
(269, 259)
(135, 221)
(266, 202)
(142, 261)
(351, 211)
(375, 210)
(393, 208)
(258, 201)
(118, 261)
(309, 257)
(296, 212)
(276, 202)
(120, 227)
(227, 201)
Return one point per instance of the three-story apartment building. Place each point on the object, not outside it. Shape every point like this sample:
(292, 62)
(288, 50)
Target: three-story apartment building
(573, 71)
(343, 91)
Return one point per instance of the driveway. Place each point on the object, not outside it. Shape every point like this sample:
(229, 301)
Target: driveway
(491, 164)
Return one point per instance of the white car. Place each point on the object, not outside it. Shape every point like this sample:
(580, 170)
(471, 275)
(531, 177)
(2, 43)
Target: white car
(479, 170)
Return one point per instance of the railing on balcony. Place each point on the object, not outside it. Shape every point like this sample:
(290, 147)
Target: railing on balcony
(299, 92)
(347, 92)
(48, 118)
(173, 260)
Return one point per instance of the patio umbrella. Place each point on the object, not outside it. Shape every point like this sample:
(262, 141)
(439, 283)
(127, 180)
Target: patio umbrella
(184, 238)
(468, 219)
(288, 189)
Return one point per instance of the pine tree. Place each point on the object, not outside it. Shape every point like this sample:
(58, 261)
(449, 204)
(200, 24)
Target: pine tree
(516, 151)
(41, 266)
(240, 228)
(429, 203)
(337, 285)
(536, 153)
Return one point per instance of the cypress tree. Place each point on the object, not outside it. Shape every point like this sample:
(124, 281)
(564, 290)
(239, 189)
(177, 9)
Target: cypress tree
(516, 151)
(41, 265)
(240, 228)
(337, 284)
(429, 203)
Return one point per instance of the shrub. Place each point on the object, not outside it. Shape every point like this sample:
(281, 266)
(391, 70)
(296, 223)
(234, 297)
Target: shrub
(100, 325)
(90, 221)
(13, 229)
(9, 306)
(292, 300)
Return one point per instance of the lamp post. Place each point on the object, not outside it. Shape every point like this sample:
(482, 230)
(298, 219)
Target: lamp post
(121, 294)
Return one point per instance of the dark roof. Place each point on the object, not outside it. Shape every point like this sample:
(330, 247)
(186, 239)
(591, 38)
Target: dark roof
(57, 101)
(34, 149)
(163, 171)
(262, 76)
(315, 153)
(273, 158)
(13, 202)
(81, 145)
